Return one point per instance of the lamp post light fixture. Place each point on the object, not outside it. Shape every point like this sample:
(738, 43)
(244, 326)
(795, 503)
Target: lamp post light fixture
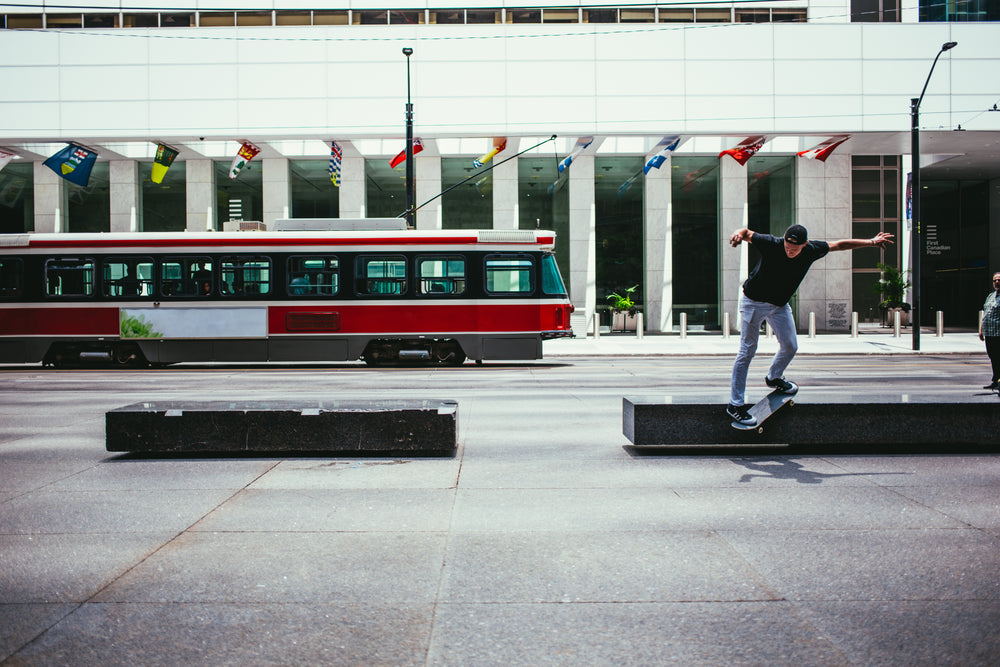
(916, 230)
(410, 198)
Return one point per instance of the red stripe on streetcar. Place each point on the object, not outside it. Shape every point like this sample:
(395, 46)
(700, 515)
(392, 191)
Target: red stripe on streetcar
(88, 321)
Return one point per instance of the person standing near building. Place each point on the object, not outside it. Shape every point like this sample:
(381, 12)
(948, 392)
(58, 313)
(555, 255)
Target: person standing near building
(783, 264)
(989, 330)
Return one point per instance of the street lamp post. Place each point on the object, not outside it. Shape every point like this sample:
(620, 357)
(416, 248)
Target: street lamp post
(916, 231)
(410, 198)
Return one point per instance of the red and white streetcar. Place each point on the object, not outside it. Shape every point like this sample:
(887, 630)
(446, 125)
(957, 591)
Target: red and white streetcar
(378, 295)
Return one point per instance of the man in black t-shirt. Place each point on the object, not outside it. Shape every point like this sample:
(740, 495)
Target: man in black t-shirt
(783, 264)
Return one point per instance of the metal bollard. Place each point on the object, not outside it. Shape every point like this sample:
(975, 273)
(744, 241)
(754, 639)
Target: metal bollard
(769, 331)
(725, 325)
(854, 325)
(597, 326)
(638, 326)
(812, 325)
(940, 324)
(684, 325)
(895, 324)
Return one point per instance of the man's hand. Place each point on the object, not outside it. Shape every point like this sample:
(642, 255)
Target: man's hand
(881, 239)
(739, 236)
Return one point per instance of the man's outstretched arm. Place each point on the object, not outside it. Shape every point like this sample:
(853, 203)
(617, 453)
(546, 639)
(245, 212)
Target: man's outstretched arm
(739, 236)
(880, 240)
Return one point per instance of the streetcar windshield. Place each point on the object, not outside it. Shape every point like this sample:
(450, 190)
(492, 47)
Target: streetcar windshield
(552, 282)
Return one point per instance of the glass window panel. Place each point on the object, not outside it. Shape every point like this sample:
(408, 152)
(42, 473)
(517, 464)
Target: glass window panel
(676, 15)
(25, 21)
(240, 198)
(90, 207)
(313, 193)
(449, 16)
(890, 190)
(11, 277)
(380, 275)
(100, 20)
(17, 197)
(164, 204)
(645, 15)
(543, 202)
(332, 17)
(552, 282)
(397, 17)
(245, 276)
(560, 16)
(291, 17)
(253, 18)
(618, 199)
(789, 16)
(753, 15)
(186, 276)
(771, 194)
(143, 20)
(470, 205)
(177, 20)
(695, 228)
(866, 193)
(865, 11)
(371, 17)
(128, 277)
(600, 16)
(313, 275)
(866, 299)
(479, 16)
(524, 15)
(509, 275)
(385, 189)
(441, 275)
(63, 21)
(713, 16)
(215, 19)
(69, 277)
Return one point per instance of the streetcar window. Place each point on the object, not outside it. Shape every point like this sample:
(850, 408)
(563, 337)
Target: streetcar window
(552, 282)
(510, 275)
(381, 275)
(128, 277)
(245, 276)
(186, 276)
(313, 275)
(441, 275)
(11, 277)
(69, 277)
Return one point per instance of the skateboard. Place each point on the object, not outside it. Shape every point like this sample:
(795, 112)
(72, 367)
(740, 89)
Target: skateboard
(764, 409)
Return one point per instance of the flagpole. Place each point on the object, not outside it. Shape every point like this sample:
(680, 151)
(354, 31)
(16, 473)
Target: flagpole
(477, 174)
(410, 198)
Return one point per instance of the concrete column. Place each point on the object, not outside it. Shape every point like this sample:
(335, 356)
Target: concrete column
(200, 212)
(428, 175)
(658, 242)
(505, 211)
(732, 216)
(823, 206)
(582, 236)
(352, 187)
(51, 200)
(277, 185)
(126, 196)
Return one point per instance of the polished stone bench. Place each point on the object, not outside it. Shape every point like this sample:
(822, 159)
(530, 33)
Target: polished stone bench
(877, 423)
(419, 427)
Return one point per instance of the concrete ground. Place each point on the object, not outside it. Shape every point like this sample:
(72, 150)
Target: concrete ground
(544, 541)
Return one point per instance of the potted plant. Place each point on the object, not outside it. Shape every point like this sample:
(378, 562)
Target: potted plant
(892, 287)
(623, 310)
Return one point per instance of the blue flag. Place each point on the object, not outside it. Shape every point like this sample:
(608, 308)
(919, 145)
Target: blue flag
(581, 143)
(667, 146)
(73, 163)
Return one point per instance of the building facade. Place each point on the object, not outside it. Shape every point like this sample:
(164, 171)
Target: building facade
(604, 85)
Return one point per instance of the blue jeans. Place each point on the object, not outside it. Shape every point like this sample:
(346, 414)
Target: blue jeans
(752, 313)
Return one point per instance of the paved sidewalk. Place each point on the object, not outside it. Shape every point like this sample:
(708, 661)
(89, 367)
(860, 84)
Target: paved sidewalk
(871, 340)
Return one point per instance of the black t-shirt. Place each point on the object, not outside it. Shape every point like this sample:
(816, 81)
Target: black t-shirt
(777, 276)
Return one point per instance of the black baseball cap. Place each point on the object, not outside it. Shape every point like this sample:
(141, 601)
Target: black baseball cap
(796, 234)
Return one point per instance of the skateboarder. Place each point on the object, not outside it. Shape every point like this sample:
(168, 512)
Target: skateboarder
(783, 264)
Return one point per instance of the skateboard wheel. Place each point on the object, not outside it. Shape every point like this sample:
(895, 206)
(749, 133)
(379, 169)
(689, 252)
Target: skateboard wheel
(760, 429)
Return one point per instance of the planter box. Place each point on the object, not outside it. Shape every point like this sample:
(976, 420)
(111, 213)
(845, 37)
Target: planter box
(622, 321)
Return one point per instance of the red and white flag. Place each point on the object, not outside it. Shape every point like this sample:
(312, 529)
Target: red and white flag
(417, 147)
(246, 153)
(822, 150)
(746, 149)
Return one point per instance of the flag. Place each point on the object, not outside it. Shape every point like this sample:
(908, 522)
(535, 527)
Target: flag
(5, 157)
(499, 143)
(581, 144)
(624, 187)
(667, 147)
(746, 149)
(822, 150)
(336, 155)
(246, 153)
(74, 163)
(417, 147)
(164, 158)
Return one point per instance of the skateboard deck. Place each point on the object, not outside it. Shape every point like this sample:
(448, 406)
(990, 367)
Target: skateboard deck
(764, 409)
